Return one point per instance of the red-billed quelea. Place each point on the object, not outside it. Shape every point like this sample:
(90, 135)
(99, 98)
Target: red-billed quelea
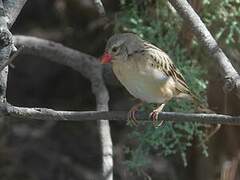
(145, 71)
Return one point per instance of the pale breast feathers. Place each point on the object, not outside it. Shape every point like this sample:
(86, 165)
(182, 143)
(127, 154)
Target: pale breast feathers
(162, 62)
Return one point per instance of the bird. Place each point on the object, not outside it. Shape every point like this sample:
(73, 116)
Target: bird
(146, 71)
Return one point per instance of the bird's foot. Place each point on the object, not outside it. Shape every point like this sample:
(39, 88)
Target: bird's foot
(131, 114)
(154, 117)
(131, 117)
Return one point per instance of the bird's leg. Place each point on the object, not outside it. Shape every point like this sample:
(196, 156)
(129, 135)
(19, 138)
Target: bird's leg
(154, 115)
(132, 111)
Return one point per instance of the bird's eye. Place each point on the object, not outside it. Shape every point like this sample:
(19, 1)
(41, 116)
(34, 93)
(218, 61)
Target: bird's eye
(114, 49)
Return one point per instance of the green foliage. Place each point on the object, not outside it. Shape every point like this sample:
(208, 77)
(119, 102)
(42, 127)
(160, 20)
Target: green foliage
(162, 28)
(223, 19)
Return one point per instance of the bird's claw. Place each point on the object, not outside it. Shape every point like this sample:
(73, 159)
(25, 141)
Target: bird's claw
(154, 117)
(131, 114)
(131, 117)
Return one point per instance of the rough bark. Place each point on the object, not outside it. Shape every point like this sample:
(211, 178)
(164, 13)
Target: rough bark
(12, 9)
(7, 18)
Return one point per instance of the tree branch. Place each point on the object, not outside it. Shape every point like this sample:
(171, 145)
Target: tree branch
(12, 9)
(5, 36)
(50, 114)
(56, 52)
(232, 78)
(104, 127)
(89, 67)
(9, 11)
(6, 42)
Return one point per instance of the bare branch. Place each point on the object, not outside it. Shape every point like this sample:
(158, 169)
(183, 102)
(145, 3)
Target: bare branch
(89, 67)
(56, 52)
(107, 149)
(13, 8)
(50, 114)
(5, 36)
(3, 84)
(5, 50)
(225, 67)
(9, 11)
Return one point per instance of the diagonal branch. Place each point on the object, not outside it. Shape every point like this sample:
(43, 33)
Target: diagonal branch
(9, 10)
(5, 36)
(6, 42)
(12, 9)
(50, 114)
(232, 78)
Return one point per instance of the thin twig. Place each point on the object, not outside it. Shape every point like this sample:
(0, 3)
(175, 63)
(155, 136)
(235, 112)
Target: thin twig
(213, 132)
(10, 60)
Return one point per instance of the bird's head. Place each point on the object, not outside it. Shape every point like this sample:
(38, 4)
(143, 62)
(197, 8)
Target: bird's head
(120, 46)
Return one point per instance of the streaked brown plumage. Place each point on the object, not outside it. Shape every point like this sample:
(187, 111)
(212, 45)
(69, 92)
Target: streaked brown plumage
(145, 71)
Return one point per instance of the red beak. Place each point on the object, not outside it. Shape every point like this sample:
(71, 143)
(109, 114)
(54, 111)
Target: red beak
(106, 58)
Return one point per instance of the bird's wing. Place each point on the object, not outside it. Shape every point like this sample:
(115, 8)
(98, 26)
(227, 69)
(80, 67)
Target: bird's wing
(162, 61)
